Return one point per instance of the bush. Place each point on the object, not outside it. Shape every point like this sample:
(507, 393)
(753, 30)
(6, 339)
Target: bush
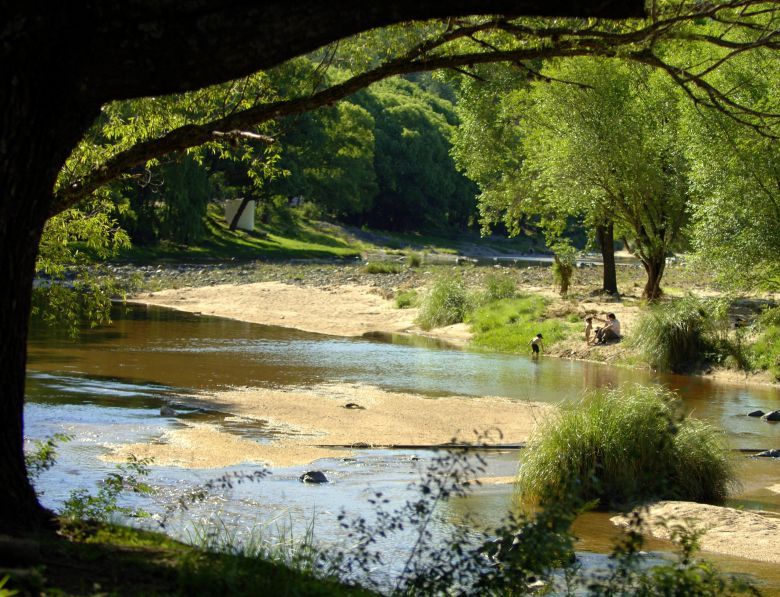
(624, 446)
(382, 267)
(498, 287)
(446, 303)
(406, 299)
(678, 335)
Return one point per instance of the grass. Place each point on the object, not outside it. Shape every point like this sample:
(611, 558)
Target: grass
(298, 239)
(448, 302)
(407, 299)
(382, 267)
(679, 334)
(626, 446)
(507, 325)
(110, 559)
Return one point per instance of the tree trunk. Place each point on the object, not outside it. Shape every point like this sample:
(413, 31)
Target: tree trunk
(234, 222)
(654, 267)
(35, 139)
(606, 238)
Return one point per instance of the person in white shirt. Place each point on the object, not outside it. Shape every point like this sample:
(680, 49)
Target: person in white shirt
(609, 331)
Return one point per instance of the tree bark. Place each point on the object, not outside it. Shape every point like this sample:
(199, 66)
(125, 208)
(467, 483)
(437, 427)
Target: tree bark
(35, 139)
(606, 239)
(654, 267)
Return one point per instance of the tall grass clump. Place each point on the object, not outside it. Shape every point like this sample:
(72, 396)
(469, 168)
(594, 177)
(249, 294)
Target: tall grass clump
(678, 335)
(446, 303)
(414, 259)
(406, 299)
(626, 446)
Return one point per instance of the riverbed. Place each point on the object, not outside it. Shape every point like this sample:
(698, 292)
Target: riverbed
(106, 389)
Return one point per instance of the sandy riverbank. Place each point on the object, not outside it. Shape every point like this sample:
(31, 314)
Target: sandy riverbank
(339, 310)
(299, 421)
(744, 534)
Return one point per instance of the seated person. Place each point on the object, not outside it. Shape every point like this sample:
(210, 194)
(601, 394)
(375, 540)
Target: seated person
(609, 331)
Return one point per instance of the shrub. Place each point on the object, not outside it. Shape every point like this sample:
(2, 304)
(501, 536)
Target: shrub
(446, 303)
(406, 299)
(678, 335)
(382, 267)
(625, 446)
(498, 287)
(414, 260)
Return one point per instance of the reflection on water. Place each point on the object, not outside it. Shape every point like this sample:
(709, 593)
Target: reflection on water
(108, 387)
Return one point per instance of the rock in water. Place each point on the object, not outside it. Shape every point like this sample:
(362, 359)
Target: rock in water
(313, 477)
(167, 411)
(353, 406)
(756, 413)
(769, 454)
(773, 416)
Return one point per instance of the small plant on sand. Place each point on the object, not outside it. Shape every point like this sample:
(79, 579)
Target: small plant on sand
(382, 267)
(680, 334)
(446, 303)
(626, 446)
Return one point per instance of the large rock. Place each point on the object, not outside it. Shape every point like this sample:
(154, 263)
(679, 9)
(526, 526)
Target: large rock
(773, 416)
(313, 477)
(756, 413)
(769, 454)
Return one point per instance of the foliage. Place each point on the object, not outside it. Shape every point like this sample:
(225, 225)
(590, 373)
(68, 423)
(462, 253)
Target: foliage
(507, 325)
(446, 303)
(104, 505)
(406, 299)
(382, 267)
(681, 333)
(624, 446)
(43, 455)
(735, 181)
(573, 151)
(6, 592)
(68, 291)
(765, 350)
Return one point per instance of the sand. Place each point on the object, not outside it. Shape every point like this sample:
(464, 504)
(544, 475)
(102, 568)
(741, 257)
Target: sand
(303, 420)
(745, 534)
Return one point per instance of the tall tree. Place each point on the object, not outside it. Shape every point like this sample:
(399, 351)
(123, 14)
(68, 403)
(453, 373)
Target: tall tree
(599, 139)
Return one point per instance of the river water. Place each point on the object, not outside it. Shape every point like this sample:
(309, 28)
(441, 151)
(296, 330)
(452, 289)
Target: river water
(107, 388)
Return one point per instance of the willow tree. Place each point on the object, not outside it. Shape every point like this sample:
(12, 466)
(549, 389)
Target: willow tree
(60, 67)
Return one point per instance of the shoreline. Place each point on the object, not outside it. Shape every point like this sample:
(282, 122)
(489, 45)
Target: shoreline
(355, 310)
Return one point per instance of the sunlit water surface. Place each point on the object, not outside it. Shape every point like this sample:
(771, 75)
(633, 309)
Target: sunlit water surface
(108, 386)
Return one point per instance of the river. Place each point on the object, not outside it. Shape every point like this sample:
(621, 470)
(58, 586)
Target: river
(107, 387)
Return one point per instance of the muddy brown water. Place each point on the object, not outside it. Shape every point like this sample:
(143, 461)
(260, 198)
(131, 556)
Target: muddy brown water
(107, 387)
